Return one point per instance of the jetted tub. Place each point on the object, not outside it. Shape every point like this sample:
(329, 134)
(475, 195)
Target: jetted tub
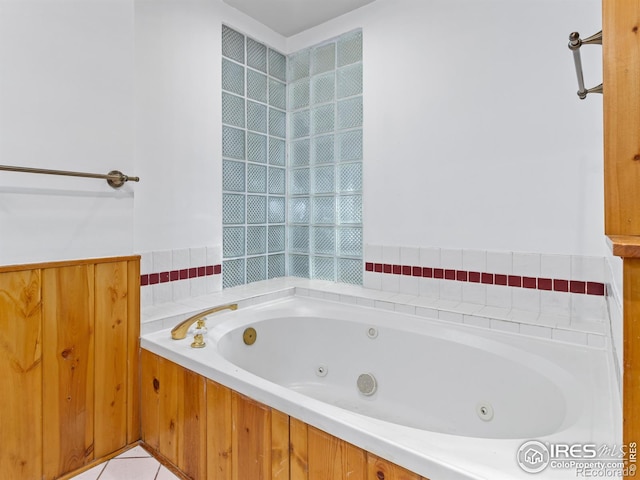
(445, 400)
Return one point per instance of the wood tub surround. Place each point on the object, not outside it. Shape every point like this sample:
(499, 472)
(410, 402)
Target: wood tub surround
(209, 431)
(69, 356)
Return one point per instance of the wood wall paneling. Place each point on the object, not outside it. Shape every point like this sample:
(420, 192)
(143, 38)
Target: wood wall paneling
(21, 375)
(111, 330)
(133, 352)
(68, 368)
(621, 77)
(69, 356)
(631, 350)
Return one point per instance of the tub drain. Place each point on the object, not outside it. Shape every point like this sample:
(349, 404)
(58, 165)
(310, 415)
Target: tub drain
(367, 384)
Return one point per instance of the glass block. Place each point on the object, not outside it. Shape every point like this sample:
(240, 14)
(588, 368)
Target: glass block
(232, 44)
(349, 145)
(299, 181)
(298, 66)
(232, 242)
(299, 239)
(300, 124)
(350, 242)
(232, 209)
(233, 176)
(232, 273)
(256, 269)
(299, 266)
(256, 240)
(349, 48)
(322, 119)
(276, 209)
(324, 240)
(350, 113)
(350, 209)
(277, 179)
(350, 81)
(323, 88)
(350, 271)
(277, 151)
(323, 210)
(299, 94)
(299, 210)
(299, 153)
(256, 209)
(277, 94)
(232, 110)
(323, 268)
(256, 86)
(350, 177)
(277, 123)
(256, 148)
(232, 77)
(277, 65)
(276, 266)
(323, 59)
(276, 238)
(256, 117)
(256, 55)
(323, 180)
(322, 149)
(232, 143)
(256, 179)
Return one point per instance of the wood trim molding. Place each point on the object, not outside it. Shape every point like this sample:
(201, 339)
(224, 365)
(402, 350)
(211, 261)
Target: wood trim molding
(67, 263)
(625, 246)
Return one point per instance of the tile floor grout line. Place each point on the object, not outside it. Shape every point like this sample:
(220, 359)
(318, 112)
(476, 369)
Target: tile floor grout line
(104, 467)
(157, 471)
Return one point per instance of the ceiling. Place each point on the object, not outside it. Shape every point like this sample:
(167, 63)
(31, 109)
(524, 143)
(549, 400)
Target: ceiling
(289, 17)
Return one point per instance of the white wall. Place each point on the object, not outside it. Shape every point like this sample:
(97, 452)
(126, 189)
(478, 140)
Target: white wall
(178, 119)
(474, 136)
(96, 85)
(66, 102)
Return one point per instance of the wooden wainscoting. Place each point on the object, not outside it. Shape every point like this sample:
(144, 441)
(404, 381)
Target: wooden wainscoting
(208, 431)
(68, 364)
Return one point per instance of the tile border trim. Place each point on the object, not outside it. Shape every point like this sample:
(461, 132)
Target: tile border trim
(486, 278)
(177, 275)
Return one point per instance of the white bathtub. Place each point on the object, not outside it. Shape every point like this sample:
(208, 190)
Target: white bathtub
(450, 402)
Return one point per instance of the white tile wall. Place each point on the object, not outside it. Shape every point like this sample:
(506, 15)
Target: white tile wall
(535, 307)
(179, 259)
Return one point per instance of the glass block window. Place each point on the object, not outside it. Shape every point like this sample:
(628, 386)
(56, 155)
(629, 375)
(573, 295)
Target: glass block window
(325, 116)
(254, 102)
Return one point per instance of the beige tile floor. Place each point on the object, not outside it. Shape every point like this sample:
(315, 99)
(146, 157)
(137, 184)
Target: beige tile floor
(134, 464)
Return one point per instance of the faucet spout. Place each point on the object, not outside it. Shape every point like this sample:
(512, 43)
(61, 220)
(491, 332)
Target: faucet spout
(180, 331)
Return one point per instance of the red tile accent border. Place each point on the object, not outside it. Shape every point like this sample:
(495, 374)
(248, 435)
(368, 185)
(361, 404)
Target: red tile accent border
(486, 278)
(176, 275)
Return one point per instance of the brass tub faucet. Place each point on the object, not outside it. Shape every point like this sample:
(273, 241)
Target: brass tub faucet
(180, 331)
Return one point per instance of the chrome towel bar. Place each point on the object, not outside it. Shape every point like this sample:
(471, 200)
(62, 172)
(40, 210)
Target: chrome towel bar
(575, 42)
(114, 178)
